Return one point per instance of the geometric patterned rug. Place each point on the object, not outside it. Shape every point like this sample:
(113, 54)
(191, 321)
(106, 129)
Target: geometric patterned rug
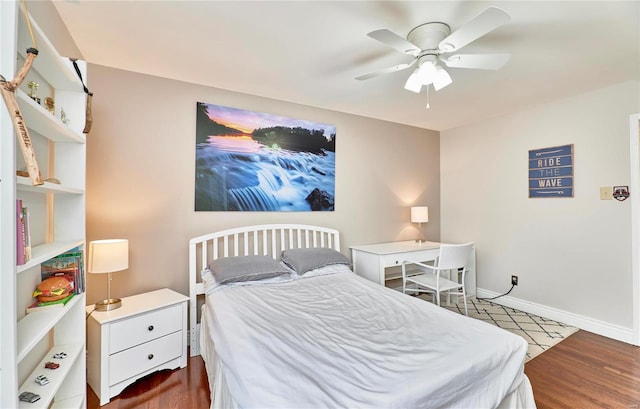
(540, 333)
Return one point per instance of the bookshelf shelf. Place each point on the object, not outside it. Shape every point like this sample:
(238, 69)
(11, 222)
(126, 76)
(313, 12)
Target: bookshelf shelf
(24, 184)
(59, 72)
(44, 123)
(56, 377)
(36, 325)
(40, 254)
(74, 402)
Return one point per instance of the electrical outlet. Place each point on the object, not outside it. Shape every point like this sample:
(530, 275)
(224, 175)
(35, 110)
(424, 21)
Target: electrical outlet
(514, 280)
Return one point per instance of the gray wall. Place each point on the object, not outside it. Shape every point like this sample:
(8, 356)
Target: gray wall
(140, 176)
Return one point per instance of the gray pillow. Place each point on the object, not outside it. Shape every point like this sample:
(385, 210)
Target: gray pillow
(245, 268)
(303, 260)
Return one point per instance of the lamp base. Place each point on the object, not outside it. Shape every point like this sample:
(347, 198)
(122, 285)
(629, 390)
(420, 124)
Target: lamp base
(420, 241)
(109, 304)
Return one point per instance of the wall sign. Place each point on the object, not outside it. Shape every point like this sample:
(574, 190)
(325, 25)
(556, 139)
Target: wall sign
(551, 172)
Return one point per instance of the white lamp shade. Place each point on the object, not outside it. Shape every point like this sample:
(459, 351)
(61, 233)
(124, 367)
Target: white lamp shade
(419, 214)
(414, 82)
(106, 256)
(427, 72)
(441, 78)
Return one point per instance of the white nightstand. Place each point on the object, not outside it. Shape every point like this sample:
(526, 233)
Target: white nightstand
(148, 333)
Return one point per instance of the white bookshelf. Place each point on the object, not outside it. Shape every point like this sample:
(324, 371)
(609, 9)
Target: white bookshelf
(58, 221)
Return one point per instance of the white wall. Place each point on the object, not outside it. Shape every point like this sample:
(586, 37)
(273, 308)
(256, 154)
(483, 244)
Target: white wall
(572, 255)
(141, 173)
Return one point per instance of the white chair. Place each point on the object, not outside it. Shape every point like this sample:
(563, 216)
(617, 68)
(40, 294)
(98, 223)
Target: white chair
(452, 259)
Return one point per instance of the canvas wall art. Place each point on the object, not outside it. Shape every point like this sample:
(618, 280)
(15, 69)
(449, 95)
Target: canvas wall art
(254, 161)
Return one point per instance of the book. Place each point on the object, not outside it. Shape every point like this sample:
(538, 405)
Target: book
(27, 234)
(79, 277)
(45, 306)
(79, 273)
(19, 234)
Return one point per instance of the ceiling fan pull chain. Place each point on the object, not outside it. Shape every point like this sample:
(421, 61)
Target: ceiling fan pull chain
(428, 97)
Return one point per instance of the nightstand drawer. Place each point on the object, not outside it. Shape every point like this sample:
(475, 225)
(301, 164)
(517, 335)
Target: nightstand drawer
(136, 360)
(145, 327)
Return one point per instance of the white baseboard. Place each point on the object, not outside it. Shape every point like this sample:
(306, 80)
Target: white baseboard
(606, 329)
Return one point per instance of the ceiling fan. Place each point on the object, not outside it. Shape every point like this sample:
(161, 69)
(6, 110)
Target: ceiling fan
(428, 43)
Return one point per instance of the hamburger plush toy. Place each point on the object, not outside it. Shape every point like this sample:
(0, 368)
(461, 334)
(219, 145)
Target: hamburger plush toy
(53, 289)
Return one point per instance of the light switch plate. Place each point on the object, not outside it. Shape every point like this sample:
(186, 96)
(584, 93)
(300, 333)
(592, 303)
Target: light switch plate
(606, 193)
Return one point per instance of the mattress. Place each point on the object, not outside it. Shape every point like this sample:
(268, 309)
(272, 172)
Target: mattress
(341, 341)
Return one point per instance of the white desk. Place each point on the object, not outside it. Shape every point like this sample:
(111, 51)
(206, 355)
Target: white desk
(371, 261)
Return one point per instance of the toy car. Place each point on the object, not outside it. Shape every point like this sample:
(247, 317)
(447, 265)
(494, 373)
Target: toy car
(51, 365)
(60, 355)
(42, 380)
(29, 397)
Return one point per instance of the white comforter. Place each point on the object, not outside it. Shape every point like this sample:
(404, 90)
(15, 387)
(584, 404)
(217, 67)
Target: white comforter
(341, 341)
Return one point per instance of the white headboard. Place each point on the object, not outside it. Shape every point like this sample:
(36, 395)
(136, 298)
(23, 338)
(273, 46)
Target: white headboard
(266, 239)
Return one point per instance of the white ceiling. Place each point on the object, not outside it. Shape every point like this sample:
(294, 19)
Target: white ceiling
(309, 52)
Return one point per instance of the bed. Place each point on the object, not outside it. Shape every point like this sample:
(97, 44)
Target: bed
(318, 336)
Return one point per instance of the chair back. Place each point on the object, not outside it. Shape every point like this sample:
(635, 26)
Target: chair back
(455, 255)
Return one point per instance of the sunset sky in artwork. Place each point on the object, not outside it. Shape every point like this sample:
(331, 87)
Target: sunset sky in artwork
(247, 121)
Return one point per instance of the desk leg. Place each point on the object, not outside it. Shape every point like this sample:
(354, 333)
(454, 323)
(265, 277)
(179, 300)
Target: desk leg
(470, 279)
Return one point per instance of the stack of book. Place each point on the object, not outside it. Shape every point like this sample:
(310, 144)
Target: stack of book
(69, 265)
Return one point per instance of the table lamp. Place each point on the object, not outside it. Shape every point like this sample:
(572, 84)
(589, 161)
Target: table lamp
(108, 256)
(420, 214)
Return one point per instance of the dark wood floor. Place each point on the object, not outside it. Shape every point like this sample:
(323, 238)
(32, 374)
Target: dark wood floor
(584, 371)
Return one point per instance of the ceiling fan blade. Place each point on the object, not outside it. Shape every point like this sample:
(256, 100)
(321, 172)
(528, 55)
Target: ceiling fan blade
(395, 41)
(479, 61)
(488, 20)
(389, 70)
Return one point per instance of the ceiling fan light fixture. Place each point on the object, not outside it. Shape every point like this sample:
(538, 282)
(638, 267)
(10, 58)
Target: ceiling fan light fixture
(414, 82)
(427, 72)
(441, 78)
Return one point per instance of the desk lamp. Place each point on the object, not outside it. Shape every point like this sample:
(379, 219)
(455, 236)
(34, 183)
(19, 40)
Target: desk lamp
(420, 214)
(107, 256)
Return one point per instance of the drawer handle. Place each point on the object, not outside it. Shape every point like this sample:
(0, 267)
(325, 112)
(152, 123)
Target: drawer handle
(150, 327)
(150, 356)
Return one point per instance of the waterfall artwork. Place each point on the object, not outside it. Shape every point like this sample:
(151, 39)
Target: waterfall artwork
(253, 161)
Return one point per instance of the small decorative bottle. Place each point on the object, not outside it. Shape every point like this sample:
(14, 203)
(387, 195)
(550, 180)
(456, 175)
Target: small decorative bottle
(33, 86)
(63, 116)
